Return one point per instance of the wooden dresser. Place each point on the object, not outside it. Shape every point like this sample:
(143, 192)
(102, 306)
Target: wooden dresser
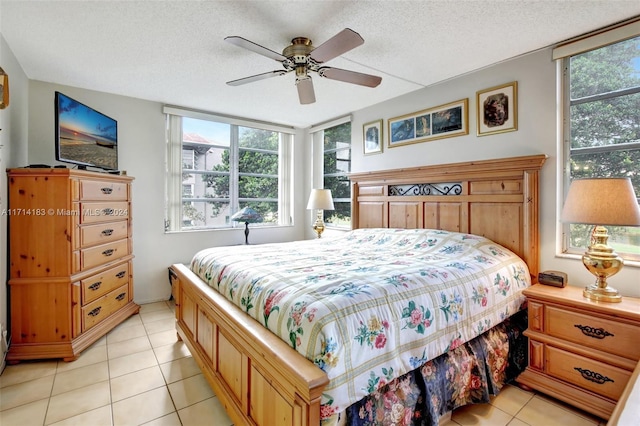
(580, 351)
(70, 255)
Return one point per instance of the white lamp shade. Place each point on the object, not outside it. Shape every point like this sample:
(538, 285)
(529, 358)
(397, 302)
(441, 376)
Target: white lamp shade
(602, 201)
(320, 199)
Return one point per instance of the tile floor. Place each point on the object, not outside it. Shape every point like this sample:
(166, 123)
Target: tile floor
(140, 374)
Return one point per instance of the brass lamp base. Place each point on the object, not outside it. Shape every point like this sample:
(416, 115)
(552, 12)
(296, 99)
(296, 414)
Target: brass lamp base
(603, 262)
(318, 226)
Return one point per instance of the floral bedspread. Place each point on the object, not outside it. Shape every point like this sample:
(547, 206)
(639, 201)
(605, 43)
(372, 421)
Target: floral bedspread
(373, 304)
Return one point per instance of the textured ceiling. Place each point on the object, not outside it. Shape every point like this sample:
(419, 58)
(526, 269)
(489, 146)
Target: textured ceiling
(173, 51)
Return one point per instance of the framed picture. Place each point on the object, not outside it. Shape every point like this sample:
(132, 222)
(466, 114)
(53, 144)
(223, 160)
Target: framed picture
(4, 89)
(497, 109)
(372, 135)
(444, 121)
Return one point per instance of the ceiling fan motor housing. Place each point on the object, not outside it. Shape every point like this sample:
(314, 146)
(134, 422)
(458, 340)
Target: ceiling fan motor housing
(299, 50)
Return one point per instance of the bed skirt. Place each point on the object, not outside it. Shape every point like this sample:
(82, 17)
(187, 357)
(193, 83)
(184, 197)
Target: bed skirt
(469, 374)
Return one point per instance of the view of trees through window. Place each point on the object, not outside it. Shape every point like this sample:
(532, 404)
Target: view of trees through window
(604, 90)
(226, 168)
(336, 166)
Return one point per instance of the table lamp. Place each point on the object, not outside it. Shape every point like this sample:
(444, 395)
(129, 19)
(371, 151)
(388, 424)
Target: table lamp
(599, 202)
(320, 199)
(247, 215)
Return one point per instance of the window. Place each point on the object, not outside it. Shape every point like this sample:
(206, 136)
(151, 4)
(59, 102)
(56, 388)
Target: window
(602, 129)
(331, 166)
(223, 166)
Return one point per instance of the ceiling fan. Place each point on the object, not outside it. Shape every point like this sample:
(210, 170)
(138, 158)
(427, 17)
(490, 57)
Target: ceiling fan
(302, 57)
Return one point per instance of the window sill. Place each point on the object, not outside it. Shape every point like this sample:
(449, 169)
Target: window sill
(237, 228)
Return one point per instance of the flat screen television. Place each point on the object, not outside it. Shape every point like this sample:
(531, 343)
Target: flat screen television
(85, 136)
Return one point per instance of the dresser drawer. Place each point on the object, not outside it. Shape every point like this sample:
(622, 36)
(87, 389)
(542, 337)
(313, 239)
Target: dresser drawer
(101, 233)
(104, 211)
(100, 309)
(595, 376)
(103, 190)
(103, 283)
(592, 331)
(103, 253)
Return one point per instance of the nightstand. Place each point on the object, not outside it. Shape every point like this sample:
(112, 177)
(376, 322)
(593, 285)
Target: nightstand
(581, 351)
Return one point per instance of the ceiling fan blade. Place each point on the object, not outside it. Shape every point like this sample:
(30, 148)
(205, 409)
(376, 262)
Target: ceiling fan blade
(340, 43)
(256, 77)
(243, 42)
(305, 91)
(350, 76)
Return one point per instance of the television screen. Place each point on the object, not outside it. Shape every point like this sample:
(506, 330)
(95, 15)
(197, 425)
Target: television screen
(85, 136)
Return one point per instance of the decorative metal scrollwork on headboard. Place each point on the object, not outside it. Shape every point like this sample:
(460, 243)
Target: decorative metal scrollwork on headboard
(454, 188)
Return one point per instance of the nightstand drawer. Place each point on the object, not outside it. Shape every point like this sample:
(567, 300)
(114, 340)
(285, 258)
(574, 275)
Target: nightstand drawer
(589, 330)
(586, 373)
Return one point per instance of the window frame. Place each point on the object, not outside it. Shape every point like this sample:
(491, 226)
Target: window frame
(174, 180)
(563, 54)
(318, 174)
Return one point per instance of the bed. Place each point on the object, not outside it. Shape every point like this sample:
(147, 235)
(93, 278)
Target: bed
(265, 379)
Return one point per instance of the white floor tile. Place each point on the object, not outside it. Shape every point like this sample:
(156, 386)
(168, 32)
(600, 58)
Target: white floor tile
(143, 407)
(140, 381)
(24, 393)
(78, 401)
(190, 391)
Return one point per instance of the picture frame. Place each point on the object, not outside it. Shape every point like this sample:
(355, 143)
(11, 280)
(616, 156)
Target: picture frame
(372, 137)
(444, 121)
(497, 109)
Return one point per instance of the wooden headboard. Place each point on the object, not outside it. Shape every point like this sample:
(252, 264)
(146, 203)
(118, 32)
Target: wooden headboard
(497, 199)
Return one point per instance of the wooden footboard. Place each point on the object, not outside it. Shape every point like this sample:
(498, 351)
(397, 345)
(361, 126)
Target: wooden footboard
(259, 379)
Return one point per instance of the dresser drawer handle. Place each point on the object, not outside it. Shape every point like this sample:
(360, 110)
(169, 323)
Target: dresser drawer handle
(107, 232)
(108, 252)
(596, 333)
(592, 376)
(95, 285)
(108, 211)
(121, 296)
(121, 274)
(106, 190)
(95, 312)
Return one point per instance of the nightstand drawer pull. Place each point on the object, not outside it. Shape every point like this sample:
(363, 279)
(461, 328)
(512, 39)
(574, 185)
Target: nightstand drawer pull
(108, 211)
(106, 191)
(121, 296)
(107, 232)
(596, 333)
(95, 312)
(592, 376)
(121, 274)
(108, 252)
(95, 285)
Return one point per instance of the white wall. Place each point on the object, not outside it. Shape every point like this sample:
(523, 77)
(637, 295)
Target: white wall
(536, 134)
(142, 153)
